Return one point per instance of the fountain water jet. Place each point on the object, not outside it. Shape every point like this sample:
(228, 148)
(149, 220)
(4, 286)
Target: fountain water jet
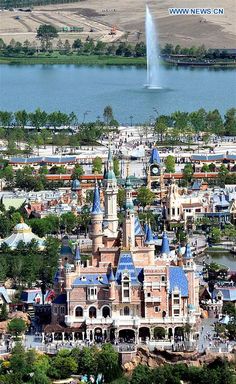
(152, 53)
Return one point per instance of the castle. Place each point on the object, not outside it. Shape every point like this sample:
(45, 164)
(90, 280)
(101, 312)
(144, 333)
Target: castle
(127, 289)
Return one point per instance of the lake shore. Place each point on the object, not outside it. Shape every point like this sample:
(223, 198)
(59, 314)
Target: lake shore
(96, 60)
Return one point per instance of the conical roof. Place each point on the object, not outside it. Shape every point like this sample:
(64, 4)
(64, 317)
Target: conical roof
(165, 247)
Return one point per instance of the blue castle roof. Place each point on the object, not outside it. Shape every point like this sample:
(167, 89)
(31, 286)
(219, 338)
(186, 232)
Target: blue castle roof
(155, 157)
(149, 236)
(91, 279)
(165, 247)
(96, 201)
(126, 264)
(111, 276)
(137, 227)
(188, 253)
(178, 280)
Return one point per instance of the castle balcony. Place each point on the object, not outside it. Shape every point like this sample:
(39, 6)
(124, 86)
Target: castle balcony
(153, 299)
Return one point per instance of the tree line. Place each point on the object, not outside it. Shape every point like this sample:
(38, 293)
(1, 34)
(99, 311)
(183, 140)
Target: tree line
(32, 367)
(47, 33)
(186, 124)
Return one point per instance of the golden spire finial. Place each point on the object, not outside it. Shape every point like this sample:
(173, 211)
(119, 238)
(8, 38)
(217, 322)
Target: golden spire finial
(127, 169)
(22, 219)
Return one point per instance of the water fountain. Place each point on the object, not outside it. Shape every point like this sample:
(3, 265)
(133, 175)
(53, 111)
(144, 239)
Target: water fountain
(153, 65)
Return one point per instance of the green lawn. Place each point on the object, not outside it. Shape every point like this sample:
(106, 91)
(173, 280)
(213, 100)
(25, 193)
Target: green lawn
(55, 58)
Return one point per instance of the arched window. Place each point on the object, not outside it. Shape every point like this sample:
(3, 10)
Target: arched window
(79, 312)
(92, 312)
(126, 311)
(105, 311)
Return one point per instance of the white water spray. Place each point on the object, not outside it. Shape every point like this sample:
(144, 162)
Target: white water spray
(152, 53)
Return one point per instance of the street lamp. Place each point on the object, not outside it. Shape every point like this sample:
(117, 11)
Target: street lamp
(85, 114)
(131, 120)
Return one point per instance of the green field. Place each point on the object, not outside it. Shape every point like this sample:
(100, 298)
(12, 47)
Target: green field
(73, 59)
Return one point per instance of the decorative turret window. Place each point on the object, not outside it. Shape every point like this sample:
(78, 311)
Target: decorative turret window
(125, 282)
(92, 293)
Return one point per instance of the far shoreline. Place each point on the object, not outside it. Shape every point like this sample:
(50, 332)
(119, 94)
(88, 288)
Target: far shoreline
(96, 60)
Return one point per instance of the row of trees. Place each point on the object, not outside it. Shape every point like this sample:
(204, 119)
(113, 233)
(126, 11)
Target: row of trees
(27, 265)
(182, 124)
(47, 33)
(31, 367)
(200, 52)
(185, 124)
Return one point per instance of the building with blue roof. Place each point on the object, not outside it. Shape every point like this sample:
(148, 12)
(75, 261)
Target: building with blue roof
(123, 290)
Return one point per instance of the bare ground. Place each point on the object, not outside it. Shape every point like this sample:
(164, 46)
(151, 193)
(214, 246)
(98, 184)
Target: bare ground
(128, 17)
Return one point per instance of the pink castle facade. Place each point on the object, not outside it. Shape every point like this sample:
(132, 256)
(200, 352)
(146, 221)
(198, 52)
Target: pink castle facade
(127, 289)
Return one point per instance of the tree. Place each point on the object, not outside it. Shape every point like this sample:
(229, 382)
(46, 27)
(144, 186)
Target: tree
(21, 118)
(230, 122)
(38, 118)
(97, 165)
(77, 171)
(145, 196)
(16, 326)
(215, 235)
(116, 166)
(108, 363)
(108, 114)
(63, 365)
(6, 118)
(3, 313)
(205, 168)
(87, 360)
(121, 198)
(69, 221)
(222, 174)
(161, 127)
(46, 33)
(214, 122)
(67, 47)
(188, 172)
(170, 164)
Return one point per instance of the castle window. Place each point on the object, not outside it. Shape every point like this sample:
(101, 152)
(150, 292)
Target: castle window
(92, 312)
(92, 293)
(79, 312)
(126, 311)
(157, 309)
(106, 312)
(126, 293)
(176, 301)
(62, 310)
(55, 309)
(149, 294)
(176, 312)
(163, 278)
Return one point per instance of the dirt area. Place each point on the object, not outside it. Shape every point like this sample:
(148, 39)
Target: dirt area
(128, 17)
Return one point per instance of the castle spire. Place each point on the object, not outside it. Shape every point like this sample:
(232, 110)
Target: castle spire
(96, 209)
(165, 247)
(149, 235)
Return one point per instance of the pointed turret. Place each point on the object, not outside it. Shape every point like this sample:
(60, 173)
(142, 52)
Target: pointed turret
(111, 190)
(111, 276)
(129, 222)
(149, 236)
(188, 252)
(155, 157)
(97, 218)
(165, 247)
(96, 209)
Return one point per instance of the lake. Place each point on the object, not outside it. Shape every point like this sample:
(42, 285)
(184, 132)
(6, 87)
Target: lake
(82, 88)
